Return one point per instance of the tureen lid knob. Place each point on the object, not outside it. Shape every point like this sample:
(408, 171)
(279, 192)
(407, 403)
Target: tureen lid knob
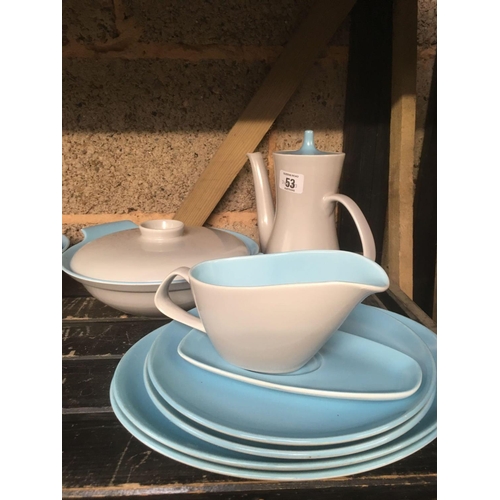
(161, 229)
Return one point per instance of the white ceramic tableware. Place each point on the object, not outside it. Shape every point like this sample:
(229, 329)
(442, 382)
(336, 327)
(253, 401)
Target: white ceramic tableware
(151, 251)
(307, 182)
(272, 313)
(122, 264)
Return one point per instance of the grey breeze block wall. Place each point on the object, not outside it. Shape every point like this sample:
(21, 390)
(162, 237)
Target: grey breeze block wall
(151, 88)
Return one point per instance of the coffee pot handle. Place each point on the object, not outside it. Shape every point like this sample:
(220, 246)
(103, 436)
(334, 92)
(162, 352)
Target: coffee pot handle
(165, 304)
(365, 233)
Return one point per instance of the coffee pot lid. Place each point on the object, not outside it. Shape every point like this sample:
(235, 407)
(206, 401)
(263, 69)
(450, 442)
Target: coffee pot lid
(308, 147)
(151, 251)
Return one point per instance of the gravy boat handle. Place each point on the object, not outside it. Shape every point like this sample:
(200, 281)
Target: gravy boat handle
(165, 305)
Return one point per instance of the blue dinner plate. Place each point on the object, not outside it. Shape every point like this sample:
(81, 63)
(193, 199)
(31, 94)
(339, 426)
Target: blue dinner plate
(264, 415)
(127, 384)
(285, 475)
(141, 417)
(131, 400)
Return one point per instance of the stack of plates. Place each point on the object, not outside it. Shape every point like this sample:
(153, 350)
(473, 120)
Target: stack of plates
(366, 400)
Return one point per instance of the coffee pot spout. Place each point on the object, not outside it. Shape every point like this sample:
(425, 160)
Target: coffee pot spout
(263, 198)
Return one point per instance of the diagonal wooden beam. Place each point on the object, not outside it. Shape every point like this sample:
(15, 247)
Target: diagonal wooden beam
(280, 84)
(410, 308)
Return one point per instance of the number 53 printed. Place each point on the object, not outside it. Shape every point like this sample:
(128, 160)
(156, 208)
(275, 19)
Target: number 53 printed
(291, 182)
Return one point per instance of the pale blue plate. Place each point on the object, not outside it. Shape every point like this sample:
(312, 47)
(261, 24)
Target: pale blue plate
(126, 386)
(400, 451)
(258, 414)
(141, 419)
(249, 473)
(347, 367)
(131, 398)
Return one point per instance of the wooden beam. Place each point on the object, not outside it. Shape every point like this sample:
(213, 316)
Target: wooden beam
(399, 250)
(425, 211)
(434, 297)
(282, 81)
(367, 121)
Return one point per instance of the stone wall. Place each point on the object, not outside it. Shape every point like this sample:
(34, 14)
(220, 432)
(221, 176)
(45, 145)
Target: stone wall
(151, 88)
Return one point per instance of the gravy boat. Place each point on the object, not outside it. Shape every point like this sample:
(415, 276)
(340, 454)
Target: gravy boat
(272, 313)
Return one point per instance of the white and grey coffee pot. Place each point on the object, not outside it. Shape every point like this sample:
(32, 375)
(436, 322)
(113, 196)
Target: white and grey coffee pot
(307, 182)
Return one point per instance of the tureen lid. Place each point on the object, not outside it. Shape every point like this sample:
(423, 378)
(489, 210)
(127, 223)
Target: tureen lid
(150, 252)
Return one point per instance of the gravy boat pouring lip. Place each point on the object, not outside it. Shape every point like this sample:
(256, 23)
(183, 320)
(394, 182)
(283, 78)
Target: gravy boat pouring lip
(302, 267)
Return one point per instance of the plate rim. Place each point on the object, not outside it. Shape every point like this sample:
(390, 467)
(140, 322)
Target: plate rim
(288, 475)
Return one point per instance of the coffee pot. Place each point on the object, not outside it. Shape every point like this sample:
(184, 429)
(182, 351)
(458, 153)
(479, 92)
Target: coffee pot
(307, 182)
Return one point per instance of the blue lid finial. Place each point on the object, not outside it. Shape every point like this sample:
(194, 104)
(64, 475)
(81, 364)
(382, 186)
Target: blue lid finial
(308, 139)
(308, 147)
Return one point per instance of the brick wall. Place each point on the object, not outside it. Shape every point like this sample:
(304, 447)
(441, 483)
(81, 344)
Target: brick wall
(151, 88)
